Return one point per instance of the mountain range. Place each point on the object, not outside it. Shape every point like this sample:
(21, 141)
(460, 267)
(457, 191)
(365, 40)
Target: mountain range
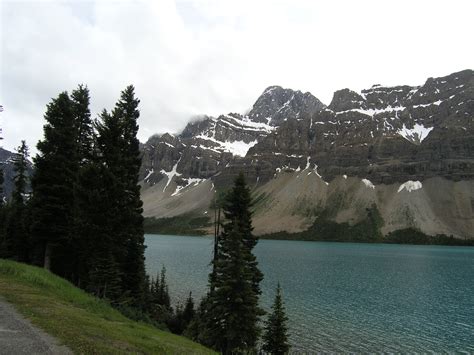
(407, 150)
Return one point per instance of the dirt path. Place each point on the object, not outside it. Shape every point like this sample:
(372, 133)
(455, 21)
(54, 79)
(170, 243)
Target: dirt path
(19, 336)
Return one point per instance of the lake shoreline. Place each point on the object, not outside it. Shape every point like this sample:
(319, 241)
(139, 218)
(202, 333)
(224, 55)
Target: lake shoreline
(456, 242)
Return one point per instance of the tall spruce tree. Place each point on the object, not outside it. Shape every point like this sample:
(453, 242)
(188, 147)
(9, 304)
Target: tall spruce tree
(20, 163)
(16, 219)
(232, 310)
(119, 152)
(98, 270)
(53, 186)
(275, 337)
(80, 101)
(86, 161)
(2, 180)
(3, 234)
(135, 275)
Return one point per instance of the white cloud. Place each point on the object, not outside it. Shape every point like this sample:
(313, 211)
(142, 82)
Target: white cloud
(191, 57)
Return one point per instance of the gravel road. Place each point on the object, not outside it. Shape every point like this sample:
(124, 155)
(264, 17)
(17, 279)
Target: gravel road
(19, 336)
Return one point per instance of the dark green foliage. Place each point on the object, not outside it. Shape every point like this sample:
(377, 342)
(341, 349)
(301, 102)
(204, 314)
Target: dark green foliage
(86, 209)
(160, 290)
(189, 311)
(104, 279)
(53, 192)
(2, 217)
(16, 233)
(231, 309)
(182, 317)
(119, 152)
(366, 231)
(1, 187)
(275, 337)
(159, 303)
(20, 163)
(179, 225)
(415, 236)
(197, 329)
(94, 222)
(80, 100)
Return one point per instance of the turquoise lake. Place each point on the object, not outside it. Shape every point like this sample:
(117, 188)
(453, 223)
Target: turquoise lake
(345, 297)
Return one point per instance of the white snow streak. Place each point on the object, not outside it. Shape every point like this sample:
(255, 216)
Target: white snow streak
(410, 186)
(170, 174)
(148, 175)
(189, 182)
(368, 183)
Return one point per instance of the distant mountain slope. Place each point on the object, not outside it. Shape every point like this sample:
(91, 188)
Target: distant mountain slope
(6, 164)
(379, 140)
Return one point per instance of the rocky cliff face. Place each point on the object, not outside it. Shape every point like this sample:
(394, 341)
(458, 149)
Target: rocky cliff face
(382, 136)
(210, 145)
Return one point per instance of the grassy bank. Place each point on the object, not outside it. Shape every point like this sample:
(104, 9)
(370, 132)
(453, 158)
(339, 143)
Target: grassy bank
(84, 323)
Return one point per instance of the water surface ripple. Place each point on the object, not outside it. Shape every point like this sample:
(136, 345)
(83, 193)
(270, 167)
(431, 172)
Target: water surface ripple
(344, 297)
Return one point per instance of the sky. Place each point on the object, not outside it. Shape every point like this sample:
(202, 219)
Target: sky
(192, 57)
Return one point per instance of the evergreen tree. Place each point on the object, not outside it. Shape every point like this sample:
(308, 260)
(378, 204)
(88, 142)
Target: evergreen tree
(275, 337)
(160, 305)
(4, 242)
(162, 289)
(98, 270)
(237, 205)
(80, 101)
(2, 197)
(188, 312)
(2, 211)
(53, 188)
(119, 151)
(135, 275)
(20, 163)
(16, 219)
(232, 310)
(182, 317)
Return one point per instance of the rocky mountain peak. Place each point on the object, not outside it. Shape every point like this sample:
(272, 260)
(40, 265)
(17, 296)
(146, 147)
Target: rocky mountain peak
(346, 99)
(277, 105)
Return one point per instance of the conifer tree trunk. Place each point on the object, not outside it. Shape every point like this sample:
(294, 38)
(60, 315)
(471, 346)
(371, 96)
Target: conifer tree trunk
(47, 257)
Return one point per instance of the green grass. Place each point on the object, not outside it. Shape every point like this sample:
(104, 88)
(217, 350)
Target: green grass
(84, 323)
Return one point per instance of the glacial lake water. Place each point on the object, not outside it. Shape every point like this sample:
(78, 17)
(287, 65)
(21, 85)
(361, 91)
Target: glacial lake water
(345, 297)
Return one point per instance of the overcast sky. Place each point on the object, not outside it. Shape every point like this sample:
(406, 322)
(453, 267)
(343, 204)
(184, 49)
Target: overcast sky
(195, 57)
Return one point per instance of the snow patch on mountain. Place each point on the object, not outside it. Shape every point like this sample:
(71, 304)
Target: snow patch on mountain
(372, 112)
(416, 134)
(368, 183)
(150, 173)
(247, 124)
(170, 174)
(410, 186)
(190, 182)
(238, 148)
